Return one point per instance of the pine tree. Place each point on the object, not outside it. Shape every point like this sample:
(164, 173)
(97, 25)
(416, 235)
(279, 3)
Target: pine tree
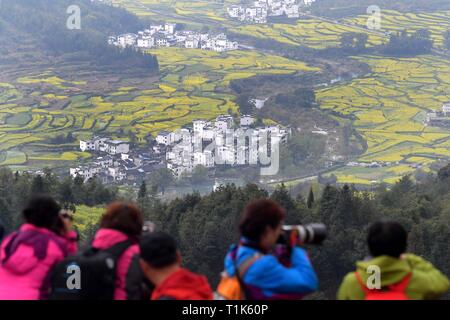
(310, 201)
(142, 196)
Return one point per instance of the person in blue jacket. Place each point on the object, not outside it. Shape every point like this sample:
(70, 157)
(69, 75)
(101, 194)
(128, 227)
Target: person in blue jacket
(262, 272)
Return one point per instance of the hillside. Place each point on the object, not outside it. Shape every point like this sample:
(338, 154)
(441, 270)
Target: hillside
(32, 38)
(345, 8)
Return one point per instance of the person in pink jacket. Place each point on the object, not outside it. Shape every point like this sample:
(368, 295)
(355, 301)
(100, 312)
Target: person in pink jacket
(121, 222)
(28, 255)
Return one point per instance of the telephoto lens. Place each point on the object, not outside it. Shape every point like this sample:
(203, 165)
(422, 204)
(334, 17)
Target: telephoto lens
(314, 233)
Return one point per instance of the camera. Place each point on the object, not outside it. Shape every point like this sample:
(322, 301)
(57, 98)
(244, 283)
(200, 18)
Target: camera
(148, 227)
(314, 233)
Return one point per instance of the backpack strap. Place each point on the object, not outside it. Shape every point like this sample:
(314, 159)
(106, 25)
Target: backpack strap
(402, 285)
(244, 266)
(116, 250)
(119, 248)
(397, 287)
(361, 283)
(242, 269)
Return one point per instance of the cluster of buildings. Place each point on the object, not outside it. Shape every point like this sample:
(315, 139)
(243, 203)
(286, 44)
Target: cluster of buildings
(167, 36)
(261, 10)
(204, 143)
(219, 142)
(115, 161)
(374, 164)
(440, 118)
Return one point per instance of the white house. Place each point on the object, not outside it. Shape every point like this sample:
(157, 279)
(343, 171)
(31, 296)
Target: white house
(235, 11)
(199, 124)
(103, 162)
(246, 120)
(163, 137)
(126, 40)
(224, 123)
(225, 155)
(145, 42)
(446, 109)
(192, 43)
(115, 147)
(85, 172)
(292, 11)
(208, 133)
(86, 145)
(116, 173)
(170, 27)
(205, 159)
(161, 42)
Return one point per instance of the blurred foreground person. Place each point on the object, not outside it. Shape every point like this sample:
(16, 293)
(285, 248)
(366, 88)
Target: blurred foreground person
(262, 271)
(123, 222)
(109, 269)
(161, 263)
(401, 276)
(29, 254)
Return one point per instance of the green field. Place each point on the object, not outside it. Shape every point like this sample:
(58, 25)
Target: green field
(392, 21)
(194, 83)
(390, 106)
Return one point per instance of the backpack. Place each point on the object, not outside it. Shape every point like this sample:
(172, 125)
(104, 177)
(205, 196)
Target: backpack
(396, 291)
(96, 272)
(233, 288)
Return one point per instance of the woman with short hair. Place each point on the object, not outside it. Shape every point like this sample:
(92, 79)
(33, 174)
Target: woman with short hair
(29, 254)
(123, 222)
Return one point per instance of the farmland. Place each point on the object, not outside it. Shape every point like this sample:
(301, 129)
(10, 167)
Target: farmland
(192, 12)
(193, 83)
(389, 106)
(306, 32)
(393, 21)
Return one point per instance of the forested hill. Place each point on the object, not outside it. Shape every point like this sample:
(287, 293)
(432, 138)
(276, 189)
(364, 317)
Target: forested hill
(42, 25)
(345, 8)
(206, 226)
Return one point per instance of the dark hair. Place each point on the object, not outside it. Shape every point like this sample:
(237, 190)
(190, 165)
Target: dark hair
(158, 249)
(387, 238)
(124, 217)
(258, 215)
(43, 212)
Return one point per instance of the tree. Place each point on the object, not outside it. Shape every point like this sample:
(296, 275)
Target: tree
(310, 201)
(162, 178)
(447, 39)
(402, 43)
(354, 41)
(65, 191)
(199, 175)
(38, 186)
(142, 198)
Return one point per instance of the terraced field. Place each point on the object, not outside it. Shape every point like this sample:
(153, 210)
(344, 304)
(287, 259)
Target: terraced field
(389, 107)
(311, 33)
(194, 84)
(308, 32)
(192, 12)
(392, 21)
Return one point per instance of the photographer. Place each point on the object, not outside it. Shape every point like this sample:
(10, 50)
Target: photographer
(29, 254)
(261, 272)
(402, 276)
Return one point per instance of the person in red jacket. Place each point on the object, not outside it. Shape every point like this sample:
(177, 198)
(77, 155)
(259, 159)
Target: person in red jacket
(161, 264)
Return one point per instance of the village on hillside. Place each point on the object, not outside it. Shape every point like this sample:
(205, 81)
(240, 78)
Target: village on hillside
(204, 143)
(261, 10)
(167, 35)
